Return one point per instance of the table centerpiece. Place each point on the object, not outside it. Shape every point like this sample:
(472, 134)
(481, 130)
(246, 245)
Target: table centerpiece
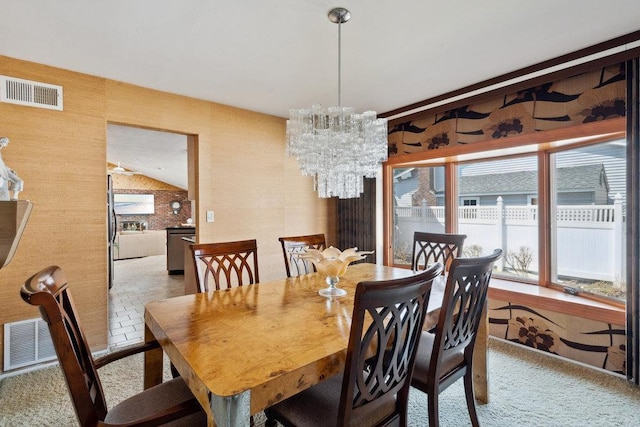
(332, 263)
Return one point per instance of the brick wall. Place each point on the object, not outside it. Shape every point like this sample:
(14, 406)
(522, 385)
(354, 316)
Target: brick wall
(164, 216)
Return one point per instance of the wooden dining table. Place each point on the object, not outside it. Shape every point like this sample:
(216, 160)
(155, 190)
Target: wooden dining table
(242, 350)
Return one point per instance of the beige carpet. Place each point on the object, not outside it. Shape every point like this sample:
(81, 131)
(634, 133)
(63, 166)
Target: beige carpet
(527, 389)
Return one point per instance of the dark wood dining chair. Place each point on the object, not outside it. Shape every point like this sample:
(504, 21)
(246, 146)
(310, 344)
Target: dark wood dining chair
(166, 402)
(294, 245)
(435, 247)
(374, 387)
(447, 355)
(224, 265)
(220, 266)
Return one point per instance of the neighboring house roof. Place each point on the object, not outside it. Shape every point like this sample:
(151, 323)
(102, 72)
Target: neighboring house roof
(577, 178)
(405, 183)
(405, 186)
(499, 183)
(404, 173)
(405, 200)
(582, 178)
(569, 179)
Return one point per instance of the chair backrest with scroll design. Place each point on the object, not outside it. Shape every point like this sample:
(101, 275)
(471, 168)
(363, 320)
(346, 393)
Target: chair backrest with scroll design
(48, 290)
(447, 355)
(435, 247)
(167, 402)
(397, 310)
(294, 245)
(386, 323)
(224, 265)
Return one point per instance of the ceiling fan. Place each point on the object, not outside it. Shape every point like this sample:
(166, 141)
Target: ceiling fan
(121, 171)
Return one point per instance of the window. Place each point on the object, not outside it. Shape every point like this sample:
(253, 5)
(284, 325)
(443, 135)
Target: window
(418, 205)
(501, 215)
(588, 219)
(574, 185)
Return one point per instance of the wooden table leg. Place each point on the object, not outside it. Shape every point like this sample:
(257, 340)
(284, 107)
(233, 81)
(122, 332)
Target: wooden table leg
(481, 359)
(152, 362)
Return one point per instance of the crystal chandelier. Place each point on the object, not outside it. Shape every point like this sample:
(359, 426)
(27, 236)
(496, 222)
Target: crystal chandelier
(335, 145)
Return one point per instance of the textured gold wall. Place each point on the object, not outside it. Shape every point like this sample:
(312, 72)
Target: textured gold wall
(242, 174)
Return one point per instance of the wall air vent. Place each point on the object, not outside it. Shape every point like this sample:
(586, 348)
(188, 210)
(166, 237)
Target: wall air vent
(33, 94)
(26, 343)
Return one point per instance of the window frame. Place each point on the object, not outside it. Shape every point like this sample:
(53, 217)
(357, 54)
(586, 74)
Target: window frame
(543, 143)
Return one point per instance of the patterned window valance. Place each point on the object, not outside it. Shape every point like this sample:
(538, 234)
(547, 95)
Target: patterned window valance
(587, 97)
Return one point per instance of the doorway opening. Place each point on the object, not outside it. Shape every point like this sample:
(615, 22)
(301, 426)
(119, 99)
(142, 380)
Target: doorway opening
(148, 193)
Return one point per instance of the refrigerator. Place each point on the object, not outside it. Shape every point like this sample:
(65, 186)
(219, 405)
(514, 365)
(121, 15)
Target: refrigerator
(112, 227)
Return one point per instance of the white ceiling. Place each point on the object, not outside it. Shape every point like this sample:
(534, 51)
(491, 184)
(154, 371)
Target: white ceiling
(273, 55)
(159, 155)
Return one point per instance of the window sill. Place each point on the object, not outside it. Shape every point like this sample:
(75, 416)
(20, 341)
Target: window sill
(554, 300)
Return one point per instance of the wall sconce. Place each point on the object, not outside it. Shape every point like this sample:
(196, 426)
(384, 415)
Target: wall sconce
(175, 206)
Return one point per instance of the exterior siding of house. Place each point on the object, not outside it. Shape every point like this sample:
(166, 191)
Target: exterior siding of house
(580, 198)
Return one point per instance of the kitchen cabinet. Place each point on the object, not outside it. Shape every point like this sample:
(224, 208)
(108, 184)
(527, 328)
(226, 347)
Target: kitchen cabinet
(176, 247)
(190, 284)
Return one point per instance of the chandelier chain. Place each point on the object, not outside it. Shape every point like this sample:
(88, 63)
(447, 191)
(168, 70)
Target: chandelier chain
(340, 63)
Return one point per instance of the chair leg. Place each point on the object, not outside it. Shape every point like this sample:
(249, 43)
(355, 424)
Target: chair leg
(174, 371)
(471, 398)
(434, 416)
(270, 422)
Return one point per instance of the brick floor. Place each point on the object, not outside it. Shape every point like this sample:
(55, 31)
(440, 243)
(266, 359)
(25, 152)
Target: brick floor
(136, 282)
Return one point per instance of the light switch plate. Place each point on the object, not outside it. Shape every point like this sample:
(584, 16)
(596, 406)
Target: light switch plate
(210, 216)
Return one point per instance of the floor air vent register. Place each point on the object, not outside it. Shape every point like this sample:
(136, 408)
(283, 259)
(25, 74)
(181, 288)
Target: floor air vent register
(27, 342)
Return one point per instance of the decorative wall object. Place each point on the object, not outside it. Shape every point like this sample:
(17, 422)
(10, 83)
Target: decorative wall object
(133, 204)
(14, 215)
(592, 96)
(588, 341)
(9, 179)
(175, 205)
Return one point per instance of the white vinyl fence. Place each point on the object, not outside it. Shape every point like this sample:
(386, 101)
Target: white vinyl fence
(590, 238)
